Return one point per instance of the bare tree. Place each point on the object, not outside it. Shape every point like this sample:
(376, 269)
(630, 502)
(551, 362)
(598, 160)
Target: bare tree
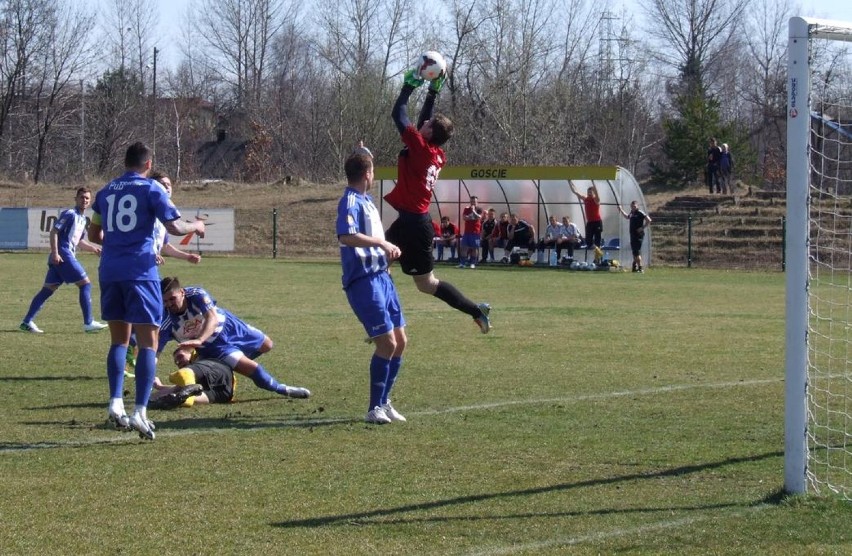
(22, 36)
(363, 43)
(116, 109)
(143, 19)
(58, 65)
(239, 35)
(765, 81)
(693, 35)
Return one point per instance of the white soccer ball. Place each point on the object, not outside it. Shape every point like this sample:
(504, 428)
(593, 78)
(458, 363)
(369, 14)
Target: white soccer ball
(430, 65)
(575, 265)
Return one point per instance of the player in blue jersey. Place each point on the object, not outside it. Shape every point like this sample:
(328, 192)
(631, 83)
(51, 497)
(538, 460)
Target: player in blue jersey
(193, 319)
(162, 247)
(125, 211)
(63, 266)
(365, 256)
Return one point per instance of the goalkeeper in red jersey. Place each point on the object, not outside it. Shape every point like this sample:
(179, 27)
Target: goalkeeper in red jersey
(419, 163)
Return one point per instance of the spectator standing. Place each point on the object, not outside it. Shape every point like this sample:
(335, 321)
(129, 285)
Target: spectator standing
(488, 226)
(125, 211)
(592, 208)
(714, 157)
(368, 285)
(638, 222)
(726, 169)
(470, 241)
(63, 266)
(418, 166)
(449, 238)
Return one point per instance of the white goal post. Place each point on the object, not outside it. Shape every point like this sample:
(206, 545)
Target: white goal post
(818, 374)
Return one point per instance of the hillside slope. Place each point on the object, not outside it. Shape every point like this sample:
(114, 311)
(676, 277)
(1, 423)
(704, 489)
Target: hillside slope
(728, 231)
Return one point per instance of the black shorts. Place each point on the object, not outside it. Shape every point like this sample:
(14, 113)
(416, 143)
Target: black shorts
(216, 378)
(413, 234)
(636, 244)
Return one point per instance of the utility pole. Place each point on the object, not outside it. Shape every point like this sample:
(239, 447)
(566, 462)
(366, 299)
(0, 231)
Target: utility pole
(154, 108)
(82, 128)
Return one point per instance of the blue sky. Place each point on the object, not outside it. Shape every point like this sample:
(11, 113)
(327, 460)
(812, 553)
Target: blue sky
(171, 12)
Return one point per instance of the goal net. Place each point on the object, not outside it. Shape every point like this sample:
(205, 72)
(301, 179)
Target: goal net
(818, 397)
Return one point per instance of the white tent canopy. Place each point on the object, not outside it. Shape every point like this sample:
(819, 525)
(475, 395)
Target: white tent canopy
(533, 193)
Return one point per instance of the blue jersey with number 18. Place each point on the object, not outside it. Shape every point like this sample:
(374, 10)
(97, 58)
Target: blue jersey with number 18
(126, 210)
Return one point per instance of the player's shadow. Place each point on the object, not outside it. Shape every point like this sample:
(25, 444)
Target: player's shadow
(231, 422)
(30, 378)
(85, 405)
(379, 516)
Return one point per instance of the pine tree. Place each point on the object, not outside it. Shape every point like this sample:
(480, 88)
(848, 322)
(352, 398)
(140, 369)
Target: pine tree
(687, 132)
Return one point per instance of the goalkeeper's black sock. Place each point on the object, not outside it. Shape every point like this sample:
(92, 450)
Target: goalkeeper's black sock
(448, 293)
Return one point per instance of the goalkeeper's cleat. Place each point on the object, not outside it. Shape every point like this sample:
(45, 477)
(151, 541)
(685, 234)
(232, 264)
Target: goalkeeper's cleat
(120, 422)
(392, 413)
(296, 392)
(145, 427)
(483, 320)
(30, 327)
(176, 397)
(437, 84)
(411, 79)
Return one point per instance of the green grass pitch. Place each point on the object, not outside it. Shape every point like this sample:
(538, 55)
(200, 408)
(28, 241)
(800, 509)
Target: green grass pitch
(606, 412)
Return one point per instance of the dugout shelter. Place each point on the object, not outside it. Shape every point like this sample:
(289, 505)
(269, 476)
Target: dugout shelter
(533, 193)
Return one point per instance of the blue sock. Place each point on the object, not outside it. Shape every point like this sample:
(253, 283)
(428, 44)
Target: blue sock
(115, 369)
(393, 369)
(379, 371)
(146, 370)
(86, 302)
(37, 303)
(264, 381)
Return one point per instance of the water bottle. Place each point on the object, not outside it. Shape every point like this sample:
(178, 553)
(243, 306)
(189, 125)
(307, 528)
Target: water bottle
(553, 261)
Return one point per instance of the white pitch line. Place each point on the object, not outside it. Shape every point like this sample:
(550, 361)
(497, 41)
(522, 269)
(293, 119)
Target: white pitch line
(604, 535)
(318, 422)
(606, 395)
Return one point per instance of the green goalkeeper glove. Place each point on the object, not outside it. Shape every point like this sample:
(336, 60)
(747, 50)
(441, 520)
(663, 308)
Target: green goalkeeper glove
(411, 79)
(436, 84)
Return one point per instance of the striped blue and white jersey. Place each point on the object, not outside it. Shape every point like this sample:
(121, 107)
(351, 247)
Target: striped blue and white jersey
(161, 236)
(70, 228)
(188, 325)
(356, 213)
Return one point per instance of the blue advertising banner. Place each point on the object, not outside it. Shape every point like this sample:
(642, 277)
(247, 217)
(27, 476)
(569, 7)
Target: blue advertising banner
(13, 228)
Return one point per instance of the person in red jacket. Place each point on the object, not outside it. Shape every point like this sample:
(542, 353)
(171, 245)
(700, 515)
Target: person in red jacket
(418, 166)
(592, 207)
(471, 241)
